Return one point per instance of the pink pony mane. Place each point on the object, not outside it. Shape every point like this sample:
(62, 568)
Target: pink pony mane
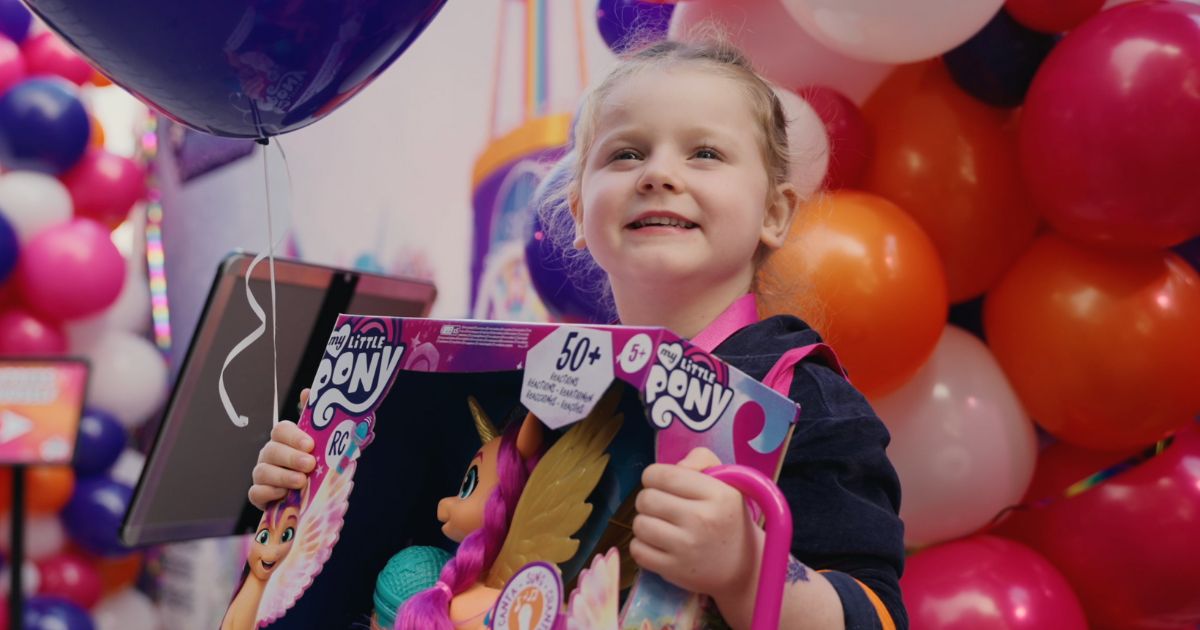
(430, 609)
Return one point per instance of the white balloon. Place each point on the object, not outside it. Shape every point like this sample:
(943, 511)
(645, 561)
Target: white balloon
(128, 610)
(777, 46)
(961, 442)
(128, 376)
(128, 467)
(31, 579)
(33, 202)
(892, 31)
(808, 143)
(44, 535)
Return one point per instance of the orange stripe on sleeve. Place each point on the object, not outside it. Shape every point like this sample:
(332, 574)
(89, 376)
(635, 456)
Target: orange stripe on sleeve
(885, 617)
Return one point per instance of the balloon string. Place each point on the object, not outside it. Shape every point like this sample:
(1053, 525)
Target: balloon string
(1092, 480)
(271, 266)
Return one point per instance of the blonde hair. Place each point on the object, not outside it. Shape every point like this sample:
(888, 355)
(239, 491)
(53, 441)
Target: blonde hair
(563, 182)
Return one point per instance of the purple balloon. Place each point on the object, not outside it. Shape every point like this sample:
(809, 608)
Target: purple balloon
(101, 441)
(93, 515)
(997, 64)
(54, 613)
(1190, 252)
(14, 20)
(43, 126)
(9, 247)
(625, 22)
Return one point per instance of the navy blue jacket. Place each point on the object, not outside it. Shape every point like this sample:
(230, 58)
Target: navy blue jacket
(843, 491)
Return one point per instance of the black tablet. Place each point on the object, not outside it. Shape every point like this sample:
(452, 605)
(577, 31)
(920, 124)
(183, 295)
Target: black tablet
(198, 470)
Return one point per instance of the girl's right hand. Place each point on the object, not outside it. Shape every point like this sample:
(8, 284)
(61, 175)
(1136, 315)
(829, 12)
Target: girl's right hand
(283, 463)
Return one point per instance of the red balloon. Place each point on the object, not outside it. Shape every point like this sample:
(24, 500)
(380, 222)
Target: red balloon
(1052, 16)
(850, 142)
(105, 186)
(987, 583)
(1128, 546)
(24, 334)
(71, 577)
(1108, 132)
(45, 53)
(12, 64)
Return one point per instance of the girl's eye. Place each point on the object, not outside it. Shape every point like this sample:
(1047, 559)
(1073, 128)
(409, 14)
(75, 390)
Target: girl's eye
(626, 154)
(262, 536)
(708, 154)
(289, 534)
(469, 482)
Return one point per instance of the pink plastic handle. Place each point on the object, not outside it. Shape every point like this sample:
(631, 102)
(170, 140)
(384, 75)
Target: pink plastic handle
(776, 549)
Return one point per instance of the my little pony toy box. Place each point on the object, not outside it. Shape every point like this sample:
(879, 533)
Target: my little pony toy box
(400, 408)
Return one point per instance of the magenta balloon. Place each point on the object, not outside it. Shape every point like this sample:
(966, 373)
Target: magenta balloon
(23, 333)
(987, 583)
(71, 270)
(1108, 140)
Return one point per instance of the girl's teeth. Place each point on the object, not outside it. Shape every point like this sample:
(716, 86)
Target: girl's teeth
(663, 221)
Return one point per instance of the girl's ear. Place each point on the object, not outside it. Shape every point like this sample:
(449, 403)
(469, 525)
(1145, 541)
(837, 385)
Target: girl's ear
(777, 220)
(577, 214)
(529, 437)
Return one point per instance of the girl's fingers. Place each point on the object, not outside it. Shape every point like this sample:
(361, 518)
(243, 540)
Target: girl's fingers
(661, 535)
(283, 456)
(274, 476)
(649, 557)
(262, 496)
(304, 398)
(662, 505)
(291, 435)
(699, 459)
(681, 482)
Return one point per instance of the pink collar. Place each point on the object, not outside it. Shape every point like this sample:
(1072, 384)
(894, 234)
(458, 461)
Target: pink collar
(742, 313)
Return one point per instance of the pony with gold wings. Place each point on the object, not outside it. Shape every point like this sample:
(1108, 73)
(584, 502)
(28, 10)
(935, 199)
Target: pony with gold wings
(516, 505)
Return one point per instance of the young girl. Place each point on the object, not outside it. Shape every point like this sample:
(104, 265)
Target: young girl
(679, 192)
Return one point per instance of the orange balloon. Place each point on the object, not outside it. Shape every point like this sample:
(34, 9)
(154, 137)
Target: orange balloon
(950, 161)
(117, 574)
(1102, 347)
(97, 138)
(877, 279)
(48, 488)
(99, 80)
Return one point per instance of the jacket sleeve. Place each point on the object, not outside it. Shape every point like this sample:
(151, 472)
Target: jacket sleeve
(845, 498)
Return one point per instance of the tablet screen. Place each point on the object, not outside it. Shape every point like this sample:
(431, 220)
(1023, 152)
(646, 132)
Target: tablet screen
(198, 470)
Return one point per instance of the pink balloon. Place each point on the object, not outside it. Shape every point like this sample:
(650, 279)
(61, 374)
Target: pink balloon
(45, 53)
(1108, 132)
(1129, 545)
(24, 334)
(105, 186)
(961, 442)
(71, 577)
(12, 64)
(777, 46)
(987, 583)
(850, 142)
(71, 270)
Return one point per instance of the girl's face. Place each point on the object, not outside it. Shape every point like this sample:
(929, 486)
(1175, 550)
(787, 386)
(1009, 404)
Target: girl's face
(675, 193)
(273, 541)
(463, 513)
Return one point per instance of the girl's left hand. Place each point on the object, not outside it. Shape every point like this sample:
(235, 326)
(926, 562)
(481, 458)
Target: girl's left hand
(694, 530)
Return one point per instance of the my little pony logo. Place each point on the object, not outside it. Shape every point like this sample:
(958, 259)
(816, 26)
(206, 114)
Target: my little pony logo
(685, 386)
(354, 373)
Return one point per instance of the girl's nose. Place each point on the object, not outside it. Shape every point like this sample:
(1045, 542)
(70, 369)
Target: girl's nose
(658, 175)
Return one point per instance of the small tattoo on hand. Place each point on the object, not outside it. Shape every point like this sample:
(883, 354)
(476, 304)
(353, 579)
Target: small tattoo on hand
(796, 571)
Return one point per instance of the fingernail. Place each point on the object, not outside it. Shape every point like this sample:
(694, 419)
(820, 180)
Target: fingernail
(308, 442)
(310, 462)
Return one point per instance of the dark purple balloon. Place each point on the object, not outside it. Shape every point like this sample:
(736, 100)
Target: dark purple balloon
(997, 64)
(101, 441)
(626, 22)
(1190, 252)
(241, 68)
(54, 613)
(573, 288)
(93, 515)
(10, 248)
(14, 20)
(43, 126)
